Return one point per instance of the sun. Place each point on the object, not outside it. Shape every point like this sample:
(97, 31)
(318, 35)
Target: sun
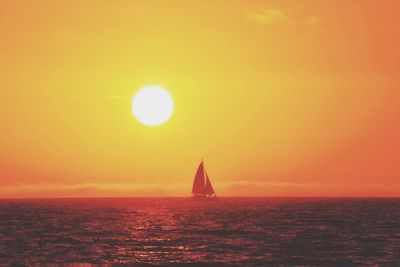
(152, 105)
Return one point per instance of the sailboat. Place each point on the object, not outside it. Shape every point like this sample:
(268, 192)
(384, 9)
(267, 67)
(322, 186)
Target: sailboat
(202, 187)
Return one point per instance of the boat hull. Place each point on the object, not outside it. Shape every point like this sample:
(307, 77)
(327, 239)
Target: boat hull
(203, 197)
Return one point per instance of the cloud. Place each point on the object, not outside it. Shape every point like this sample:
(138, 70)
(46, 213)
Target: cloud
(233, 188)
(274, 16)
(312, 21)
(89, 190)
(306, 189)
(268, 16)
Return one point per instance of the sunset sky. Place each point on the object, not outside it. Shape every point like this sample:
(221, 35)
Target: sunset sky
(280, 98)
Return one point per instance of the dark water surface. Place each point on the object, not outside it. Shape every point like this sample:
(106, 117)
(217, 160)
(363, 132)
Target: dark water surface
(226, 232)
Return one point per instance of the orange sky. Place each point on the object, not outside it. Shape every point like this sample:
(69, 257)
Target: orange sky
(279, 97)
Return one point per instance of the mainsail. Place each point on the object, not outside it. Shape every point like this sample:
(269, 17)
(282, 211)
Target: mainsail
(202, 184)
(198, 184)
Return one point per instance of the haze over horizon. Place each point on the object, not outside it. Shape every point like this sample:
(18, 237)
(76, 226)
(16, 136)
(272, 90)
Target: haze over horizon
(280, 98)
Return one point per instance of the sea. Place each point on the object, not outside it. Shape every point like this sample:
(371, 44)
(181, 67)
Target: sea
(185, 232)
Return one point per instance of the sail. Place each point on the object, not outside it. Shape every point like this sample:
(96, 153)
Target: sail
(199, 181)
(209, 190)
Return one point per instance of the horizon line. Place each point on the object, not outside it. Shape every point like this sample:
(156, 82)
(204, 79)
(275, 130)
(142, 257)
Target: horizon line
(175, 196)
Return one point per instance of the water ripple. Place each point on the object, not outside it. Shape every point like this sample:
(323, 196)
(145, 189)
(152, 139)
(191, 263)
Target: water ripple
(230, 231)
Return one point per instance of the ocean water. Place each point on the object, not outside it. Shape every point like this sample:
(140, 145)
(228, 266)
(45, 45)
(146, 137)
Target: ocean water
(180, 232)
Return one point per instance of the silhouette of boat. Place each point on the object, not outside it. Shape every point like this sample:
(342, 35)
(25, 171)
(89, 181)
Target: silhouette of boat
(202, 187)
